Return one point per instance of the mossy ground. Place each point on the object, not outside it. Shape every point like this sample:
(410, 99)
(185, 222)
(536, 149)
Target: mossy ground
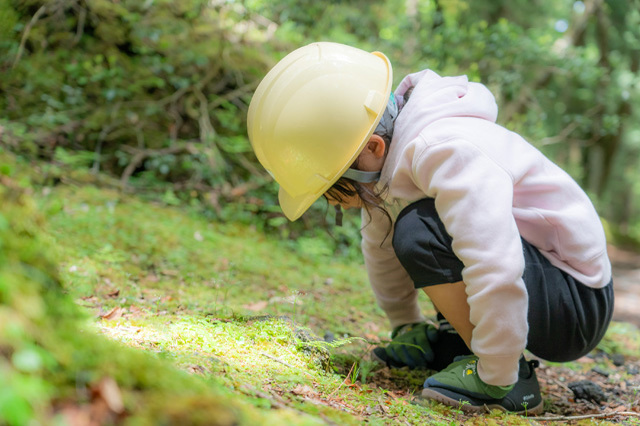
(188, 321)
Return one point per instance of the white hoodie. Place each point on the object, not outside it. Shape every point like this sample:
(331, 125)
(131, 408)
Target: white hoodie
(490, 188)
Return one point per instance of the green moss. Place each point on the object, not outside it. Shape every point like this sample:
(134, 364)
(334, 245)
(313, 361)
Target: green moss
(187, 317)
(49, 357)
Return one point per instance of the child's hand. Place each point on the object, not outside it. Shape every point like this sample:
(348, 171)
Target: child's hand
(410, 346)
(422, 345)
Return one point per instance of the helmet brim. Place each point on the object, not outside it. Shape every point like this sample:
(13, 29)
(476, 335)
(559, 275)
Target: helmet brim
(294, 207)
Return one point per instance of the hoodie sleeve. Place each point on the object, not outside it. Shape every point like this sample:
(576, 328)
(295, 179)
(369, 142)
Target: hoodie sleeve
(392, 286)
(473, 196)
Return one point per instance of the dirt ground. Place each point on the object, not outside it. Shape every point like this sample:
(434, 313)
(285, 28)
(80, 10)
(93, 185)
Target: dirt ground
(609, 384)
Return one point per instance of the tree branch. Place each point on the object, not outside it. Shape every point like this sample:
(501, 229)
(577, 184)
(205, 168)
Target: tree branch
(25, 35)
(140, 155)
(573, 38)
(564, 133)
(82, 17)
(247, 88)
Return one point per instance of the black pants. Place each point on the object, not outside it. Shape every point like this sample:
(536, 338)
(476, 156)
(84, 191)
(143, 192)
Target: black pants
(566, 318)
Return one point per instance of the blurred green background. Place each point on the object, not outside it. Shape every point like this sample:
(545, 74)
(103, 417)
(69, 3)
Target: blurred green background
(154, 93)
(112, 112)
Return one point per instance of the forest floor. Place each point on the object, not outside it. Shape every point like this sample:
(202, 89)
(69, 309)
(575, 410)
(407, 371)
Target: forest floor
(225, 271)
(611, 382)
(287, 336)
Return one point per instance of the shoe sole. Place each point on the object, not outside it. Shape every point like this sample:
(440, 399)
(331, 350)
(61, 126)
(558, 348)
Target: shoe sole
(471, 409)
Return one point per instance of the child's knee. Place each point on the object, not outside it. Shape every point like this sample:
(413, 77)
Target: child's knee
(423, 245)
(415, 229)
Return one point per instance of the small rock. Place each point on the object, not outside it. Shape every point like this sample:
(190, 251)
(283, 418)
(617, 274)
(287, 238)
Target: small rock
(601, 371)
(587, 390)
(617, 359)
(633, 370)
(329, 337)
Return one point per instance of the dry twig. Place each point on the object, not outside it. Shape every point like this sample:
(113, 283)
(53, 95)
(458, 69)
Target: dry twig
(276, 359)
(344, 381)
(590, 416)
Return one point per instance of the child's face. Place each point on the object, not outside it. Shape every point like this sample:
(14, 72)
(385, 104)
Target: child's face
(371, 159)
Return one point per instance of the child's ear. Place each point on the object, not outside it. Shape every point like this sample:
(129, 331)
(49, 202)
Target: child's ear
(376, 146)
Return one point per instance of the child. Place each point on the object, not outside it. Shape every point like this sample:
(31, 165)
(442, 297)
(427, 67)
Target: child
(505, 244)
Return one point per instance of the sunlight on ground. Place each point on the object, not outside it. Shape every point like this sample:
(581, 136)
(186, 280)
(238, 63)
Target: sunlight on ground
(216, 343)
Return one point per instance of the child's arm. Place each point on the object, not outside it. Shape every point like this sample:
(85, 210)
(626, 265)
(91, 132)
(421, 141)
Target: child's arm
(474, 198)
(391, 284)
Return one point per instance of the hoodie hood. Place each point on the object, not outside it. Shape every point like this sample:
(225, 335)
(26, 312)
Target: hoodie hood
(434, 98)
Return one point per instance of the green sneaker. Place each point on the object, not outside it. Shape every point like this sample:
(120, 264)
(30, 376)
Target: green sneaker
(460, 386)
(422, 345)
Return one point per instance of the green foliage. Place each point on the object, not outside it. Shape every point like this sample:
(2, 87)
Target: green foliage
(51, 361)
(133, 84)
(8, 20)
(156, 93)
(622, 338)
(565, 74)
(108, 238)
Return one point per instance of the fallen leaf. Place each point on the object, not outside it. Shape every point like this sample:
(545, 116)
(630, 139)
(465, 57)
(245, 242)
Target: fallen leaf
(197, 369)
(238, 191)
(303, 390)
(89, 301)
(257, 306)
(75, 416)
(135, 311)
(114, 293)
(113, 314)
(151, 278)
(109, 391)
(372, 327)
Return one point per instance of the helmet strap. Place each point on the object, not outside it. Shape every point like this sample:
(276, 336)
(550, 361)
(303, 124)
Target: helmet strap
(360, 176)
(338, 215)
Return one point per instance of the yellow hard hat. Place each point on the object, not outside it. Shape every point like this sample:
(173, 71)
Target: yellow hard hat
(313, 114)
